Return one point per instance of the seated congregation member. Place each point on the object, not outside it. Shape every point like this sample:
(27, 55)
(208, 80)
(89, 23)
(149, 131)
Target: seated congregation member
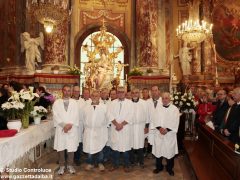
(138, 126)
(221, 108)
(165, 121)
(66, 121)
(120, 115)
(45, 99)
(76, 96)
(95, 133)
(231, 123)
(205, 110)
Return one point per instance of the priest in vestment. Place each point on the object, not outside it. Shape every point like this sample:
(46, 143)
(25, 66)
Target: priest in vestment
(66, 121)
(95, 133)
(165, 121)
(120, 115)
(138, 126)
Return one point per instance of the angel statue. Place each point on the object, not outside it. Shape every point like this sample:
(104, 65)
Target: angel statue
(30, 45)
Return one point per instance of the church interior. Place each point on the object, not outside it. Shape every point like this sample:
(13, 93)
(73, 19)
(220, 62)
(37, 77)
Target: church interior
(188, 48)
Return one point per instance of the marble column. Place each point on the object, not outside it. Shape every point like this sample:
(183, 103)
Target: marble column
(133, 61)
(161, 36)
(56, 44)
(205, 8)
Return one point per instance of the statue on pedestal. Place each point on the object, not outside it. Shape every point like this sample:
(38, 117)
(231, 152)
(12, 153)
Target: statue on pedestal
(31, 46)
(185, 57)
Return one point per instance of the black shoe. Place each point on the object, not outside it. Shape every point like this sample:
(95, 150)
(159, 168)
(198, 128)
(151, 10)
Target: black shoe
(171, 173)
(156, 171)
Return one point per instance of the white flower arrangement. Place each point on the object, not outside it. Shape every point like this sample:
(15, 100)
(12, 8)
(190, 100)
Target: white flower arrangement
(183, 101)
(19, 104)
(38, 111)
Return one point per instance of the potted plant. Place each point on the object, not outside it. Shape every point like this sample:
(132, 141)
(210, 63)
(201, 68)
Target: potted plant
(13, 110)
(135, 72)
(149, 71)
(37, 113)
(74, 70)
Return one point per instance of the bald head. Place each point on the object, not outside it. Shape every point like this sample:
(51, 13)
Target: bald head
(166, 98)
(135, 93)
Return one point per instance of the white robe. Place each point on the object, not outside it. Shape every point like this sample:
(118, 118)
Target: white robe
(69, 140)
(165, 145)
(121, 140)
(139, 122)
(150, 112)
(83, 102)
(95, 133)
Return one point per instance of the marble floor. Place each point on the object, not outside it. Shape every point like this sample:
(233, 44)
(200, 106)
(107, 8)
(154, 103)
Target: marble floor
(182, 170)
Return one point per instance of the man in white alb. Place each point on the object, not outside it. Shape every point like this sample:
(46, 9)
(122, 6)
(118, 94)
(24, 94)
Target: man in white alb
(165, 121)
(95, 133)
(66, 121)
(138, 126)
(152, 104)
(120, 114)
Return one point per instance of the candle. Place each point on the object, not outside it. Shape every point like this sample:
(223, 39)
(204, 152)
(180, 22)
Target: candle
(126, 77)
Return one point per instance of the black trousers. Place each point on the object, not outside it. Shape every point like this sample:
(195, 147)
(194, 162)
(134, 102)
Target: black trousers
(170, 163)
(140, 156)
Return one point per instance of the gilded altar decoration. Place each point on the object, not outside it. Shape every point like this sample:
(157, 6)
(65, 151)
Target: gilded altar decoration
(99, 70)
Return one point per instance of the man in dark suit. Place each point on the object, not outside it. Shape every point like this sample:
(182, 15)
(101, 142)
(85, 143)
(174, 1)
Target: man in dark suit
(221, 108)
(231, 123)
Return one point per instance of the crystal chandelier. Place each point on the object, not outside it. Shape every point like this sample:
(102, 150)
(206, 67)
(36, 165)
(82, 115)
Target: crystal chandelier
(49, 12)
(194, 32)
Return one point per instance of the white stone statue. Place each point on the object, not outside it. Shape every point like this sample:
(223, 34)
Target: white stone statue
(30, 45)
(185, 57)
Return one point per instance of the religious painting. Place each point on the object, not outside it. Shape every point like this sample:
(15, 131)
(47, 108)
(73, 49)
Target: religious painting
(147, 18)
(226, 30)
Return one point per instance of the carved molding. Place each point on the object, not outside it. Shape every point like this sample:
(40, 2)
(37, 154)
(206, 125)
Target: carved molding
(116, 19)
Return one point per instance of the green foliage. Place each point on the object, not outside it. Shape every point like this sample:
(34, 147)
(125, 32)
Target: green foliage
(135, 72)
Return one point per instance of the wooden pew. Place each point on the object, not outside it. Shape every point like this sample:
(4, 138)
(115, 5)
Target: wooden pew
(213, 156)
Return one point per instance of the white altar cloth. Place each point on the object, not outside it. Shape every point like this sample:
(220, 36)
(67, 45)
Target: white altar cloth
(12, 148)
